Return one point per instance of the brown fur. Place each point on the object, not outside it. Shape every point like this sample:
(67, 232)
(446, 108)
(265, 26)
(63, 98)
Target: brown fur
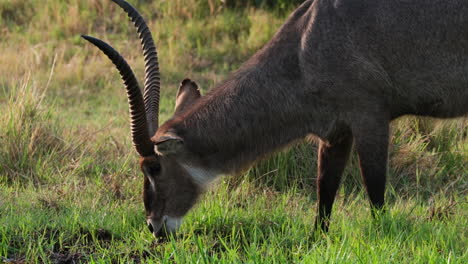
(341, 70)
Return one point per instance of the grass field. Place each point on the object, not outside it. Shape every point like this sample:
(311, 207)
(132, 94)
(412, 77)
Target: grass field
(70, 189)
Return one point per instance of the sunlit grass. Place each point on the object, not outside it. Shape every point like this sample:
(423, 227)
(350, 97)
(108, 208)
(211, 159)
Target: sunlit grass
(70, 189)
(229, 226)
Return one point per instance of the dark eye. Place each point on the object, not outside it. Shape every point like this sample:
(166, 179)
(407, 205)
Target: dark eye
(155, 169)
(151, 170)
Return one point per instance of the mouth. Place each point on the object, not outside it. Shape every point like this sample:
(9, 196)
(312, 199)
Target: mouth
(156, 227)
(161, 234)
(164, 227)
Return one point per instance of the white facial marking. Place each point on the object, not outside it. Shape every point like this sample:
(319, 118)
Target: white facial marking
(153, 185)
(172, 223)
(201, 177)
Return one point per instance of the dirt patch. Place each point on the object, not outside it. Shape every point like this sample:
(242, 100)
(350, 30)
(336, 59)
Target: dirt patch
(14, 260)
(49, 204)
(66, 258)
(104, 235)
(138, 257)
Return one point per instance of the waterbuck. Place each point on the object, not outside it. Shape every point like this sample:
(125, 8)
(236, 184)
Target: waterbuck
(340, 70)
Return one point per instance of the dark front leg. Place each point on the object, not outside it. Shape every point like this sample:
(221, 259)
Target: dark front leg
(371, 142)
(331, 162)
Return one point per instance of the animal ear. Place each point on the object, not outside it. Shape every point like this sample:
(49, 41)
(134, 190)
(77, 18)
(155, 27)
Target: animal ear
(187, 95)
(168, 144)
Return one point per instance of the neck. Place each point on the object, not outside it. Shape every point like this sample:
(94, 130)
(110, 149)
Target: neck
(259, 109)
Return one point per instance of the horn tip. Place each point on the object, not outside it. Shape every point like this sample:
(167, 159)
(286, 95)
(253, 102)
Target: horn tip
(86, 37)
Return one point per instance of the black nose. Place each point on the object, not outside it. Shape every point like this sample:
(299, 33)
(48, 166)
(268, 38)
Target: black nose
(162, 234)
(150, 227)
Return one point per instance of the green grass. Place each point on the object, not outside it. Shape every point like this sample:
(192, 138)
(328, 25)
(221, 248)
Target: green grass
(70, 189)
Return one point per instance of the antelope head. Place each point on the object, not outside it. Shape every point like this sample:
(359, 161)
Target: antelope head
(169, 191)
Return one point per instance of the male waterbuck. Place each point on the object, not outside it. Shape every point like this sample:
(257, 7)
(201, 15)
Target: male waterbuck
(337, 69)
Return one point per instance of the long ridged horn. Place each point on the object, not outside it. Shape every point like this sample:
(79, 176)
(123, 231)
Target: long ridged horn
(140, 136)
(152, 75)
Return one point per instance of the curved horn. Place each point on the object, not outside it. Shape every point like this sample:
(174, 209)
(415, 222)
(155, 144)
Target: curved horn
(140, 137)
(152, 76)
